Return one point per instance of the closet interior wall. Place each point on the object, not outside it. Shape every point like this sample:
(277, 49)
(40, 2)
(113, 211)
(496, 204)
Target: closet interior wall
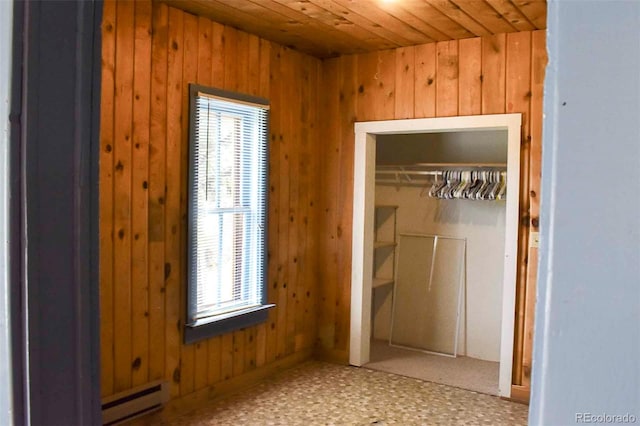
(488, 75)
(480, 223)
(150, 53)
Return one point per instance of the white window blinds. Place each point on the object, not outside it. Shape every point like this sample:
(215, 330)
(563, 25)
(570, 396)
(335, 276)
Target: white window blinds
(227, 203)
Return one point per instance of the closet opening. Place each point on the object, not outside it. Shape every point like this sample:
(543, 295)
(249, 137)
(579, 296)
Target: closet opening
(434, 249)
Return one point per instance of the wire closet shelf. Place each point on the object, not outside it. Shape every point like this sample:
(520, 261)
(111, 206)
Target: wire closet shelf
(471, 181)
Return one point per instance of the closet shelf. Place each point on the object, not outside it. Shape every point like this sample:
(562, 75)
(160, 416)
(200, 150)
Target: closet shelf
(409, 172)
(440, 166)
(381, 282)
(382, 244)
(419, 174)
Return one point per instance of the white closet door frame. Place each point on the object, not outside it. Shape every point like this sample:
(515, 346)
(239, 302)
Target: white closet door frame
(363, 206)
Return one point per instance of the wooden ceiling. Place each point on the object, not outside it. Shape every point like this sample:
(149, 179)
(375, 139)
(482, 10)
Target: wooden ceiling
(325, 28)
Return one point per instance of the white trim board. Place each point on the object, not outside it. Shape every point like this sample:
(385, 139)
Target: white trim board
(363, 206)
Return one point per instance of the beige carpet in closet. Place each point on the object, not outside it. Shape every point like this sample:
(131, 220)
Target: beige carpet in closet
(462, 372)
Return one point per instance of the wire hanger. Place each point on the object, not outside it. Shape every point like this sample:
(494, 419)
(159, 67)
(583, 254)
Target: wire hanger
(465, 184)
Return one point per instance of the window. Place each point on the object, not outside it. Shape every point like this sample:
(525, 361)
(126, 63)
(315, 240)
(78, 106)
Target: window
(228, 165)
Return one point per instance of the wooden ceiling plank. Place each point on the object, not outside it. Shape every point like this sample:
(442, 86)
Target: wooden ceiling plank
(385, 20)
(394, 9)
(319, 27)
(512, 14)
(534, 10)
(436, 19)
(361, 21)
(340, 23)
(227, 15)
(454, 12)
(482, 12)
(380, 43)
(280, 16)
(326, 28)
(324, 20)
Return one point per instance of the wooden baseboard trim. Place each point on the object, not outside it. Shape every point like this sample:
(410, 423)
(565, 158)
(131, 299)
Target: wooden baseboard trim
(520, 394)
(179, 406)
(332, 356)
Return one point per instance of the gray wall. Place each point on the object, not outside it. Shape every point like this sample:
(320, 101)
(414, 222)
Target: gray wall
(6, 17)
(587, 331)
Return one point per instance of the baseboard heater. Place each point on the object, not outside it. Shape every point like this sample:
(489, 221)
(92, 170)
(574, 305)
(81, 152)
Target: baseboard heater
(135, 402)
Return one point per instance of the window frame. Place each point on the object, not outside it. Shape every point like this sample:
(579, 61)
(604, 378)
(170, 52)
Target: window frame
(234, 320)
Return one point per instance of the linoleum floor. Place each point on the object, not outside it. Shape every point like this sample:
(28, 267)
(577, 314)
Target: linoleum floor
(317, 393)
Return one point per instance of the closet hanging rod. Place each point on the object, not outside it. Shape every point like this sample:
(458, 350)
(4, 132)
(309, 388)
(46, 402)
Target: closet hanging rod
(407, 174)
(400, 183)
(410, 172)
(417, 176)
(414, 172)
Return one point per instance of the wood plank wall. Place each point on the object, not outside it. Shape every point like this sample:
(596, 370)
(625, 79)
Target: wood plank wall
(151, 52)
(489, 75)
